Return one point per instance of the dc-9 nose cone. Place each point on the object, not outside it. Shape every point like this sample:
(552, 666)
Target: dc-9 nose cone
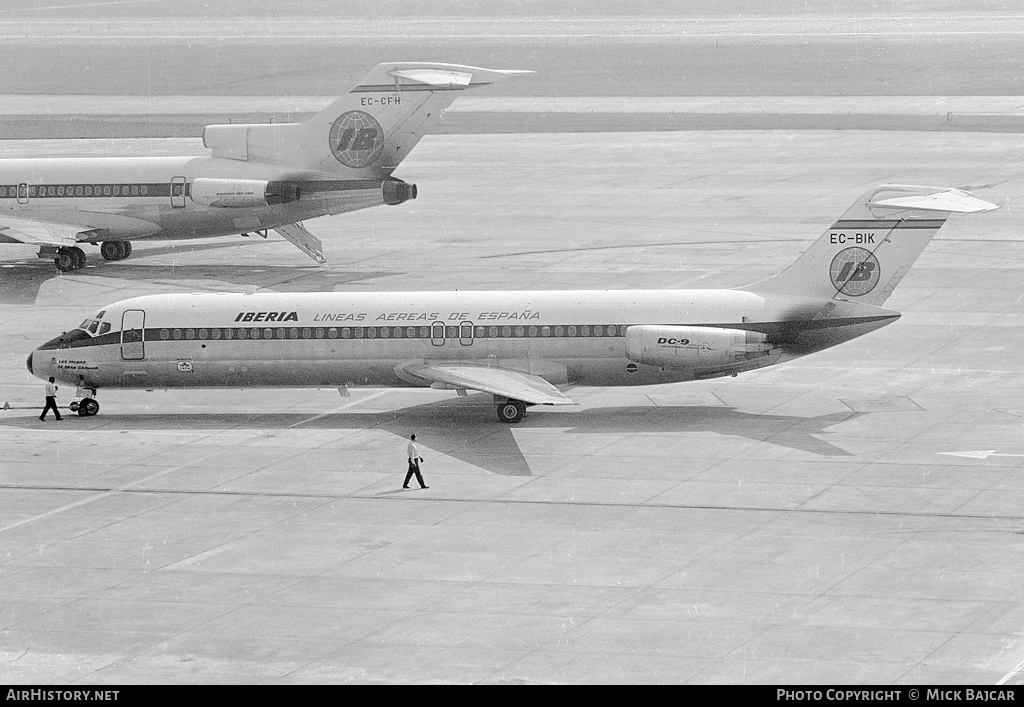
(28, 362)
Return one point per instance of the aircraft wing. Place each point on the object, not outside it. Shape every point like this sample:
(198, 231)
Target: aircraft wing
(93, 225)
(16, 230)
(503, 382)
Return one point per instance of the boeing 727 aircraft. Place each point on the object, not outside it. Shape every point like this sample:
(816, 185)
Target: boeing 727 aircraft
(517, 346)
(257, 177)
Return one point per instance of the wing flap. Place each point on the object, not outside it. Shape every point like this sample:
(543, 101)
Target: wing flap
(504, 382)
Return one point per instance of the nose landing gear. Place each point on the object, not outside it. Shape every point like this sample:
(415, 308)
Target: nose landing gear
(86, 407)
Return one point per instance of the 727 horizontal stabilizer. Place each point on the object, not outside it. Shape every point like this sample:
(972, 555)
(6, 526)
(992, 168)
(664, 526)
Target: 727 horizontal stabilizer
(368, 131)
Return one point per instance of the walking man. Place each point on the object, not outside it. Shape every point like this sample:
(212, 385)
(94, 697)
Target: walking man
(51, 401)
(414, 463)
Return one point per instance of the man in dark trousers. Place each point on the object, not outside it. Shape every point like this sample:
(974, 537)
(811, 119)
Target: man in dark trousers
(413, 452)
(51, 401)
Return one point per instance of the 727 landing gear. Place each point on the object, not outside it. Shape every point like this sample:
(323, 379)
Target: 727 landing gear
(86, 407)
(115, 250)
(511, 411)
(68, 259)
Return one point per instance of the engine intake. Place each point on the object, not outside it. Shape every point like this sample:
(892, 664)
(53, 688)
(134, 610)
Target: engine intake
(693, 347)
(395, 191)
(242, 193)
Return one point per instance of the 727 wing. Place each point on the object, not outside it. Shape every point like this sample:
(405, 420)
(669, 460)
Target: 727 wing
(59, 240)
(16, 230)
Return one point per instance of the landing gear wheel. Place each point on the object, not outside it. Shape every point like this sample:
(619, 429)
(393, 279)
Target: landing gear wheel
(68, 259)
(115, 250)
(511, 411)
(74, 406)
(111, 250)
(88, 407)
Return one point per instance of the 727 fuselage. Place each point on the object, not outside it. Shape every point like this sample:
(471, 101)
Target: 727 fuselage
(177, 197)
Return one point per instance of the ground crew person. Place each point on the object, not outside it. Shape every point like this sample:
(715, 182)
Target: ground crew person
(413, 451)
(51, 401)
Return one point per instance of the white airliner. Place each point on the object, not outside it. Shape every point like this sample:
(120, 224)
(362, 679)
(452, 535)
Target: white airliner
(517, 346)
(257, 177)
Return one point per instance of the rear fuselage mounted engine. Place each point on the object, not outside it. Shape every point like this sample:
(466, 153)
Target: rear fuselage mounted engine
(694, 348)
(395, 191)
(242, 193)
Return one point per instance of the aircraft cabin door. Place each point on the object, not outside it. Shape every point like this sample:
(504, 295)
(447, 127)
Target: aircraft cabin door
(178, 192)
(133, 335)
(437, 334)
(23, 193)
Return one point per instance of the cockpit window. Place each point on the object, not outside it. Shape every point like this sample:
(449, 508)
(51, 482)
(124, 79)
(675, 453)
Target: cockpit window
(84, 325)
(100, 315)
(67, 339)
(105, 327)
(93, 326)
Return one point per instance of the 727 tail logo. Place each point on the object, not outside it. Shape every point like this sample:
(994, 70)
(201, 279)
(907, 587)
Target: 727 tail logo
(356, 139)
(854, 271)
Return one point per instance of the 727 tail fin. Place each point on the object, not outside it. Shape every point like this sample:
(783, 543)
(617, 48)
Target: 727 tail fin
(866, 253)
(366, 132)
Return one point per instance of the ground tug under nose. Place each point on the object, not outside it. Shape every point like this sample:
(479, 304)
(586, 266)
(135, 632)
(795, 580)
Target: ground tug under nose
(517, 346)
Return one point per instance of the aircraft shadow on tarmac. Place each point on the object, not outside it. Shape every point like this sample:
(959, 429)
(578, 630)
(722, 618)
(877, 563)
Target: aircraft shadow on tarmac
(20, 280)
(467, 429)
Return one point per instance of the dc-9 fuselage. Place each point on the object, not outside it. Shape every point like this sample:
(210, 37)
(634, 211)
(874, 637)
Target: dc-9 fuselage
(518, 346)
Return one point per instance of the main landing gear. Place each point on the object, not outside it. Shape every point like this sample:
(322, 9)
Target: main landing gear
(86, 407)
(511, 411)
(68, 258)
(115, 250)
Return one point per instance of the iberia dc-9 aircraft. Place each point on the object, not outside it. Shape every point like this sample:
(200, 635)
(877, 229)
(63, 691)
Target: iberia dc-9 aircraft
(517, 346)
(256, 178)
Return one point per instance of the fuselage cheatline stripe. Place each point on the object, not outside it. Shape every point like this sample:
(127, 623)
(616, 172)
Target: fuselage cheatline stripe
(211, 335)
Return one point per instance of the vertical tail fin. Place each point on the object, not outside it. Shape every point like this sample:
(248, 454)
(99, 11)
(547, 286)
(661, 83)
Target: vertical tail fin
(866, 253)
(365, 133)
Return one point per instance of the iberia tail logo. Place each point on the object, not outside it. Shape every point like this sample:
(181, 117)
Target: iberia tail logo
(854, 271)
(356, 139)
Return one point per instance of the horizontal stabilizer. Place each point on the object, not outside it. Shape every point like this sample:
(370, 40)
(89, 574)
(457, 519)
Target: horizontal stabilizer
(503, 382)
(433, 77)
(302, 239)
(864, 254)
(365, 133)
(948, 200)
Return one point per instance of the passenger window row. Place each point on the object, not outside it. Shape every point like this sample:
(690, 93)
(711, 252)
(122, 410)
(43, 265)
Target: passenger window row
(396, 332)
(66, 190)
